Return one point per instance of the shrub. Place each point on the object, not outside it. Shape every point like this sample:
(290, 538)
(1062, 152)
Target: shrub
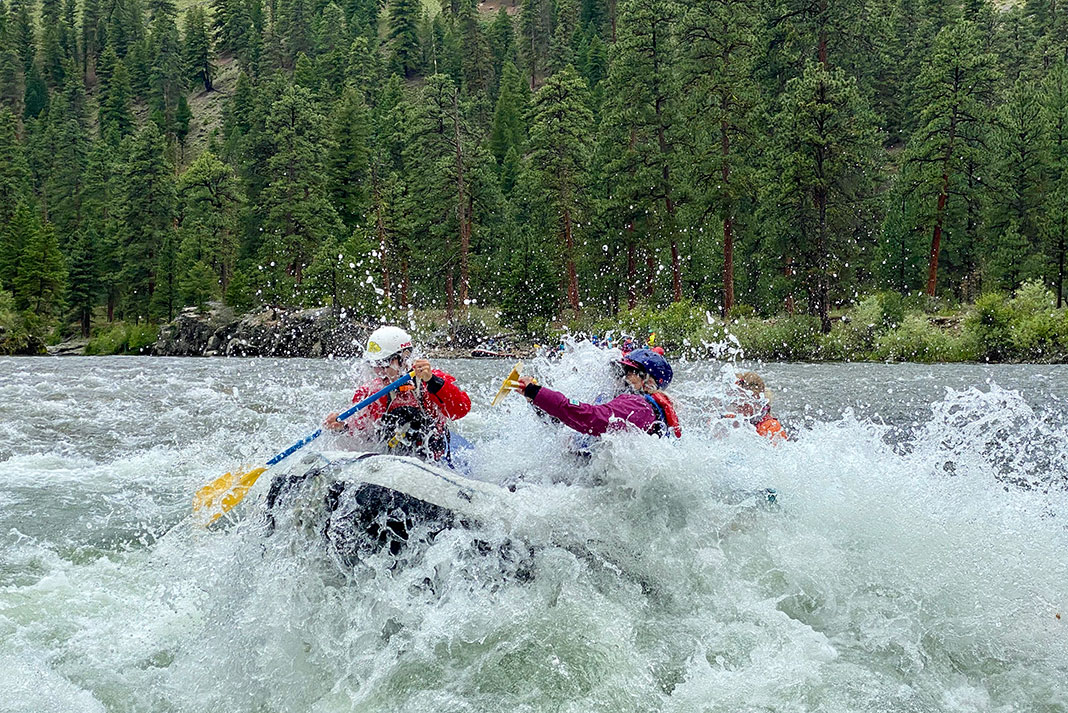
(853, 337)
(916, 339)
(1038, 331)
(788, 338)
(122, 338)
(680, 327)
(988, 328)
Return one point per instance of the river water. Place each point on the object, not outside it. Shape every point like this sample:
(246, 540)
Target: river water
(917, 559)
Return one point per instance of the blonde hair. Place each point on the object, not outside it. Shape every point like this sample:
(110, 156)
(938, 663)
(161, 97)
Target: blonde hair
(751, 381)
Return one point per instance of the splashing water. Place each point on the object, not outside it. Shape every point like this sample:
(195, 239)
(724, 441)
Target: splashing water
(914, 562)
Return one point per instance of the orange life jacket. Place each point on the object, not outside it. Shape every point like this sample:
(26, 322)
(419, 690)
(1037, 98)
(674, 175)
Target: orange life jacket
(666, 410)
(771, 429)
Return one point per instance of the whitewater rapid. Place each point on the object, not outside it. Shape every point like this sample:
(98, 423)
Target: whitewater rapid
(916, 560)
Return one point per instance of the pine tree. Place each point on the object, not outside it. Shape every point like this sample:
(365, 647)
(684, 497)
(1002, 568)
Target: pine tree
(477, 58)
(403, 36)
(42, 274)
(165, 278)
(508, 129)
(294, 27)
(116, 116)
(1020, 159)
(102, 206)
(14, 172)
(198, 52)
(182, 116)
(502, 42)
(1054, 100)
(167, 75)
(14, 237)
(12, 79)
(68, 150)
(36, 99)
(560, 135)
(92, 28)
(84, 288)
(198, 285)
(823, 171)
(233, 26)
(955, 86)
(146, 204)
(440, 156)
(349, 159)
(642, 106)
(719, 38)
(535, 32)
(210, 205)
(298, 215)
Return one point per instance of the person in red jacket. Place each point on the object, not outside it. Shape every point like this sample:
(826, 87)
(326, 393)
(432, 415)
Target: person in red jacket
(414, 419)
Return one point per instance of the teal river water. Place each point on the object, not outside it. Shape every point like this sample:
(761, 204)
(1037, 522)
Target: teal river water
(918, 562)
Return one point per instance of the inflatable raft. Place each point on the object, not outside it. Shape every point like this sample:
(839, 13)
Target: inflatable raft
(365, 503)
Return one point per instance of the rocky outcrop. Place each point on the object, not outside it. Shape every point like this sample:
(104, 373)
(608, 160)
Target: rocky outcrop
(72, 347)
(268, 332)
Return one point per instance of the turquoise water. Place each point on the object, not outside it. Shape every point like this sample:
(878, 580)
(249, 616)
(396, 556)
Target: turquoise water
(917, 562)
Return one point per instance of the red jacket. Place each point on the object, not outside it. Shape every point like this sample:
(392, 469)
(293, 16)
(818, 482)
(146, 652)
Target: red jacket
(440, 397)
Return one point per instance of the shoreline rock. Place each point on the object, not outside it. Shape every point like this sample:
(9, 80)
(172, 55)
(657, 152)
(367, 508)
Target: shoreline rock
(280, 332)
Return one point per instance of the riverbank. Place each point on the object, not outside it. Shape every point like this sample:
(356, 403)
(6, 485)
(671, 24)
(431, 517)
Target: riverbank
(885, 327)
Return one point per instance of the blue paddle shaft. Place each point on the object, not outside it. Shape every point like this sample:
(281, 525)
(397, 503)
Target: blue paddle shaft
(341, 417)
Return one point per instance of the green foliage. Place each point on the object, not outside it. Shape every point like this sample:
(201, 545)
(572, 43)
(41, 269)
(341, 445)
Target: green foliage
(988, 328)
(42, 274)
(682, 328)
(916, 339)
(123, 338)
(786, 338)
(559, 163)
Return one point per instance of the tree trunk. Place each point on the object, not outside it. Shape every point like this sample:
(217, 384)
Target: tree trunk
(450, 298)
(728, 220)
(823, 287)
(380, 229)
(632, 269)
(650, 274)
(1060, 264)
(463, 213)
(936, 238)
(572, 275)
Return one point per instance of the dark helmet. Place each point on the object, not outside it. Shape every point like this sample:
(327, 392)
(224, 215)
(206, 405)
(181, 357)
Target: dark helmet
(651, 363)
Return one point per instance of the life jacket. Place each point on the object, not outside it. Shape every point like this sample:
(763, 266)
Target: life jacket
(770, 428)
(668, 419)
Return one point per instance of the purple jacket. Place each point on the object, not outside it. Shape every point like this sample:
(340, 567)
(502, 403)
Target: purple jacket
(595, 419)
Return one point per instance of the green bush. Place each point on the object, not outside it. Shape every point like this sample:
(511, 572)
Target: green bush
(22, 333)
(682, 327)
(916, 339)
(1038, 331)
(122, 338)
(988, 328)
(787, 338)
(853, 337)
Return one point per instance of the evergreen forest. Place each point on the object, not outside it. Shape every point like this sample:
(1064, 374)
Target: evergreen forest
(547, 159)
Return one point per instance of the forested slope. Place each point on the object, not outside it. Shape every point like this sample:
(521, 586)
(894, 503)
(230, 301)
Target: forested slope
(548, 158)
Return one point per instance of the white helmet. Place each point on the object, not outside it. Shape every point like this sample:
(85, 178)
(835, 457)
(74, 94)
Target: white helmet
(384, 342)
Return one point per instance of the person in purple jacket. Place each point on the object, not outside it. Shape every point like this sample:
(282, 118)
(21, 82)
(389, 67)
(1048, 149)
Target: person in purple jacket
(643, 404)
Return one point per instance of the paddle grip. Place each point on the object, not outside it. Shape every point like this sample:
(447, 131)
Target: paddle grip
(342, 416)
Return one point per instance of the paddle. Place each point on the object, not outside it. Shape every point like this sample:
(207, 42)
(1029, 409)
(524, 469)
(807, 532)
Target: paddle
(228, 490)
(510, 382)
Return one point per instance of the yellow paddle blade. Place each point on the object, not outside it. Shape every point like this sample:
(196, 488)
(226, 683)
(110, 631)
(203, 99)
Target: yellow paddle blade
(227, 491)
(509, 382)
